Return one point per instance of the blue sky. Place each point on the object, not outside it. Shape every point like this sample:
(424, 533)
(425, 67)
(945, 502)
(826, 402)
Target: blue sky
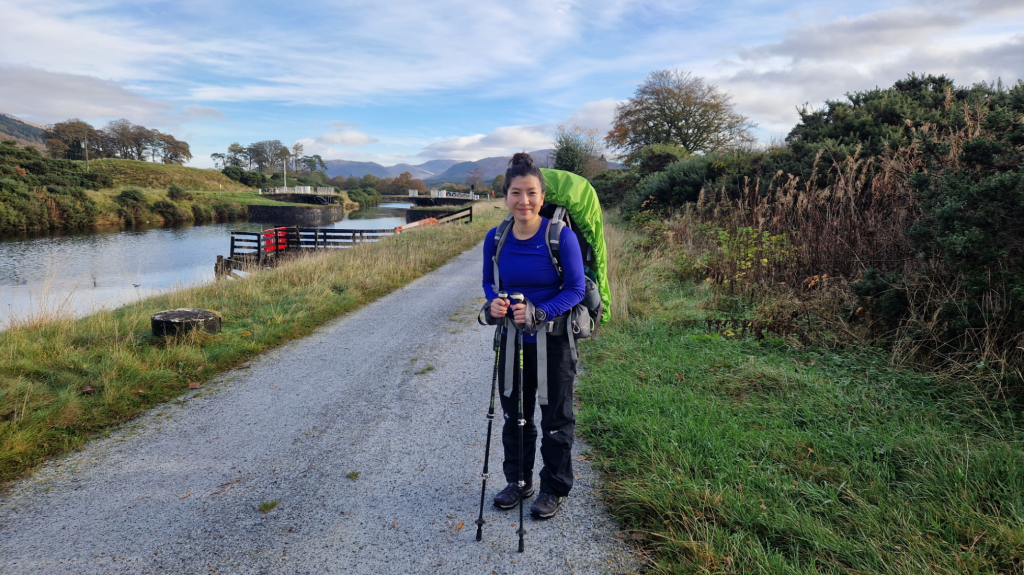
(407, 82)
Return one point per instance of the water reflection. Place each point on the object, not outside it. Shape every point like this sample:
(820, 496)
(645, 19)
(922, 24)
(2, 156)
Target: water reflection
(80, 272)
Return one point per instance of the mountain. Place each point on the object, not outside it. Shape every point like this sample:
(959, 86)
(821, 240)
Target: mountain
(491, 166)
(422, 171)
(26, 133)
(357, 169)
(435, 171)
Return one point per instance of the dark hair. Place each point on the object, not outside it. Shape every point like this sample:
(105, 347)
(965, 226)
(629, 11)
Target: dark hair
(521, 164)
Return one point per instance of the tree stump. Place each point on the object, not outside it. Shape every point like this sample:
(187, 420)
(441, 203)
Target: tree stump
(178, 321)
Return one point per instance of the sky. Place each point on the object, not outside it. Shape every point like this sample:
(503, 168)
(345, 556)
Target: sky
(406, 82)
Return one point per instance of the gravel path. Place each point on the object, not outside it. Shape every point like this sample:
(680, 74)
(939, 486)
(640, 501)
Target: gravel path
(368, 435)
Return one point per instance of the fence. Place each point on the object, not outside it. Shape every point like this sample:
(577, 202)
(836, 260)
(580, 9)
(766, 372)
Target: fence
(298, 190)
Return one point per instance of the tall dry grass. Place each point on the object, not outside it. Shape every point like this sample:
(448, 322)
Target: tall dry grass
(65, 380)
(634, 273)
(802, 243)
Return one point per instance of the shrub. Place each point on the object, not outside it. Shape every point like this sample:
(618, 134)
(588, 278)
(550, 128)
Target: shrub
(656, 157)
(253, 179)
(178, 193)
(612, 186)
(201, 213)
(226, 211)
(169, 211)
(133, 203)
(233, 172)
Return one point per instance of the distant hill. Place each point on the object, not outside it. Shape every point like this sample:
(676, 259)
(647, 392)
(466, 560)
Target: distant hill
(26, 133)
(422, 171)
(357, 169)
(491, 166)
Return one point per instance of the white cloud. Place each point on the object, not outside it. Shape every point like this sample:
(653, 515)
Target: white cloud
(501, 141)
(346, 138)
(49, 97)
(597, 115)
(820, 61)
(196, 112)
(327, 145)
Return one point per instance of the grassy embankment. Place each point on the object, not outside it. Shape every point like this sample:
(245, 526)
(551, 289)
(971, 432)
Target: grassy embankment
(47, 366)
(735, 455)
(42, 194)
(209, 194)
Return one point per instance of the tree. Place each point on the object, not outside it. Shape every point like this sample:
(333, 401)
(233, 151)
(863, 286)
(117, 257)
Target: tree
(498, 183)
(475, 178)
(368, 181)
(676, 107)
(579, 150)
(237, 155)
(64, 139)
(175, 151)
(351, 183)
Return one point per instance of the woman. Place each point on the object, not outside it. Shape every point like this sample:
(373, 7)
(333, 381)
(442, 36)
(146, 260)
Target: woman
(525, 266)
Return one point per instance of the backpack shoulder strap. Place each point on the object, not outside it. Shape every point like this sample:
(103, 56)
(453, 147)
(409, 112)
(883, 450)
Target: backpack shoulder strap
(500, 236)
(554, 232)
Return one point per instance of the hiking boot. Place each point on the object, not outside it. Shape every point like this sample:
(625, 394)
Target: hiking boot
(546, 505)
(509, 497)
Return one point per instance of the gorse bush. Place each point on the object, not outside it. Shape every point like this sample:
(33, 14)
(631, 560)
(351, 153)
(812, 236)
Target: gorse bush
(178, 193)
(38, 193)
(916, 191)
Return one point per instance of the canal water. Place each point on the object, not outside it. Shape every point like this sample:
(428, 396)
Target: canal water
(78, 273)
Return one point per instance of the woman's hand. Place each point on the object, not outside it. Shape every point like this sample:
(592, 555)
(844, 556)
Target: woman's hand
(499, 307)
(519, 313)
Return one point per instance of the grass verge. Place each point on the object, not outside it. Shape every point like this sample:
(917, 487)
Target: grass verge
(64, 381)
(733, 455)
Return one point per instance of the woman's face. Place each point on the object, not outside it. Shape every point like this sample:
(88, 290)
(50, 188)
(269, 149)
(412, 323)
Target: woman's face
(524, 198)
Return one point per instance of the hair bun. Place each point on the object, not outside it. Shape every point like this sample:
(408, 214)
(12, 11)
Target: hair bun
(521, 159)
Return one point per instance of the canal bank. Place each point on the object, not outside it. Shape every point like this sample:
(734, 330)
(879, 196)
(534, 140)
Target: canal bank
(75, 273)
(48, 409)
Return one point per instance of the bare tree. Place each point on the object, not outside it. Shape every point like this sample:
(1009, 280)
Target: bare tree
(579, 150)
(475, 178)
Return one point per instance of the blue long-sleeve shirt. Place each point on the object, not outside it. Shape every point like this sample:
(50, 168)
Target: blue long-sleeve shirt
(525, 266)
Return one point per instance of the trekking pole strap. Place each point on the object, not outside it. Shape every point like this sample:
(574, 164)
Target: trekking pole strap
(542, 364)
(510, 355)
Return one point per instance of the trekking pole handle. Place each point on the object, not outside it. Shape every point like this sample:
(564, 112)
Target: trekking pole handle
(517, 298)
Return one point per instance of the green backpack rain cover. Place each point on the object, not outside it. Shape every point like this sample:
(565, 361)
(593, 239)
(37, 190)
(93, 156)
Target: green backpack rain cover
(579, 198)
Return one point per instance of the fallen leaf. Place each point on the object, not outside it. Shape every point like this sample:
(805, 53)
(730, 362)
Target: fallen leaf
(88, 389)
(451, 517)
(187, 495)
(396, 524)
(459, 526)
(581, 458)
(194, 385)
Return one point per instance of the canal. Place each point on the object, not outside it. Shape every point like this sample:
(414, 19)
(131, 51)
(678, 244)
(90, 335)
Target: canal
(78, 273)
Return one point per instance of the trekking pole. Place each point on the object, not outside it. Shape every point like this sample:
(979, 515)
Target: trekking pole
(521, 483)
(490, 421)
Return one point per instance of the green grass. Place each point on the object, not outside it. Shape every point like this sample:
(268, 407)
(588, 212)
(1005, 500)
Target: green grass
(268, 506)
(136, 174)
(46, 365)
(727, 455)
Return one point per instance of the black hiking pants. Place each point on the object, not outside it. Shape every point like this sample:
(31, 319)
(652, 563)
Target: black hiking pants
(557, 422)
